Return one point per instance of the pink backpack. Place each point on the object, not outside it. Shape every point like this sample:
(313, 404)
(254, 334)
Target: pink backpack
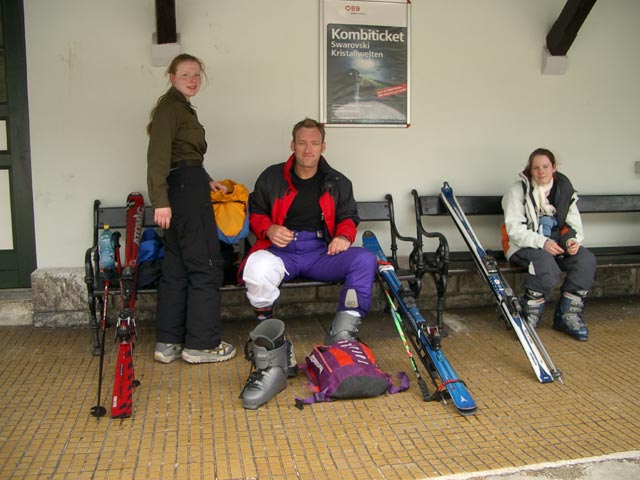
(346, 369)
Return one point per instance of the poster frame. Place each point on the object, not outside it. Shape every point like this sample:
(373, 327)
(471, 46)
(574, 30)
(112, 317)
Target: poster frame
(366, 113)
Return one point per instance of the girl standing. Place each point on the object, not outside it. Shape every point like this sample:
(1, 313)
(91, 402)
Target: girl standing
(188, 311)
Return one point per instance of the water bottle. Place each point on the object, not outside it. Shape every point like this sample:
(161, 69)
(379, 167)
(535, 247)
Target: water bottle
(105, 249)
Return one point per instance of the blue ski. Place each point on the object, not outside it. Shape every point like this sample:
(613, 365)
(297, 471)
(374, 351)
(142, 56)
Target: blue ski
(425, 338)
(537, 355)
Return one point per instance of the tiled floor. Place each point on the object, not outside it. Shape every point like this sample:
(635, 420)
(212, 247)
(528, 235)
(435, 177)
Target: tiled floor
(188, 422)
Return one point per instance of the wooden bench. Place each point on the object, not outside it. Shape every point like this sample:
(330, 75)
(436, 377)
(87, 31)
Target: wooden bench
(115, 217)
(458, 262)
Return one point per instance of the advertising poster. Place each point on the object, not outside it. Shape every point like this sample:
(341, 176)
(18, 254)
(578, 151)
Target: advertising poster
(365, 62)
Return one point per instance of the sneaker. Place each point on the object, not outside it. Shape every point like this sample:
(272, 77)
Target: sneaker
(223, 352)
(167, 352)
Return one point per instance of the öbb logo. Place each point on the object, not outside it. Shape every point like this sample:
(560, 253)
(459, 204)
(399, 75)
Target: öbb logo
(352, 8)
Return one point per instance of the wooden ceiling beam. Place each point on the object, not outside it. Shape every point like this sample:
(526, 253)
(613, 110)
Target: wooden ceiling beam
(166, 21)
(565, 28)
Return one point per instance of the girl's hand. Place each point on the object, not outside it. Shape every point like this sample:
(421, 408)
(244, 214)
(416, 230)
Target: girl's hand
(553, 248)
(217, 186)
(162, 217)
(572, 247)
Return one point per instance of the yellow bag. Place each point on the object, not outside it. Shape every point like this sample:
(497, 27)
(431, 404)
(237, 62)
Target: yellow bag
(231, 211)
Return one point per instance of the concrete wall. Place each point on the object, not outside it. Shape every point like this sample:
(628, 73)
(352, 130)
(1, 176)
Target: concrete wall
(479, 103)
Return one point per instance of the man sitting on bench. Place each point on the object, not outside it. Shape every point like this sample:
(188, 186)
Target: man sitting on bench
(304, 216)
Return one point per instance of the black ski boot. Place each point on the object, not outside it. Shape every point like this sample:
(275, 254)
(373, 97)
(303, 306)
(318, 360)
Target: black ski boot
(532, 304)
(344, 327)
(568, 315)
(270, 357)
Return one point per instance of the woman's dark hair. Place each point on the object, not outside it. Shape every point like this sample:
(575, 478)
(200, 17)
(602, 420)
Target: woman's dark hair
(171, 70)
(539, 151)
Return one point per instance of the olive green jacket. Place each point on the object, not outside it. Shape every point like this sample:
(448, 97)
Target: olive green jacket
(176, 136)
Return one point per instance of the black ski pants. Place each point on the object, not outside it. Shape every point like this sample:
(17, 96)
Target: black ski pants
(188, 309)
(544, 270)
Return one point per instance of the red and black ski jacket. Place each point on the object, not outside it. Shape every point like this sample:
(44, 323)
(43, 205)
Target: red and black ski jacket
(274, 193)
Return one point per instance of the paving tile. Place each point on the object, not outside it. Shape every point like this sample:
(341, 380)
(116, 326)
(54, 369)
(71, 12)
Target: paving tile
(189, 423)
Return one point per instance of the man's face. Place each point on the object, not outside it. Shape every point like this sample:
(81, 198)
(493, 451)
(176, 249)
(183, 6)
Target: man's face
(307, 147)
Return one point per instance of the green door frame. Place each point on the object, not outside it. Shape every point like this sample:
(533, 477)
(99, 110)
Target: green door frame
(17, 265)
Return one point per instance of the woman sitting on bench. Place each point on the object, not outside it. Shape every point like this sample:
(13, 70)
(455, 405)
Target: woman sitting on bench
(543, 233)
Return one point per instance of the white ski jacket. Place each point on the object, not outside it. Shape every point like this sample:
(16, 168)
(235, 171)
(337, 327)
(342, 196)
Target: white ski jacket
(520, 229)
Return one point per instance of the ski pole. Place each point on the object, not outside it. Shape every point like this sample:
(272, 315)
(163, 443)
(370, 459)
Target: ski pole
(397, 322)
(98, 410)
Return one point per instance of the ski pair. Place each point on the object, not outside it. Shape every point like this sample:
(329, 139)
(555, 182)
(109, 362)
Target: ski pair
(537, 355)
(424, 338)
(124, 381)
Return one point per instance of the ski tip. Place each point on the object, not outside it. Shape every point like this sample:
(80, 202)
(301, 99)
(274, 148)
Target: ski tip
(445, 185)
(467, 412)
(98, 411)
(135, 198)
(367, 234)
(545, 379)
(544, 376)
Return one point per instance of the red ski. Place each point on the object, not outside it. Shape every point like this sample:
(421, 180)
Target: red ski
(124, 381)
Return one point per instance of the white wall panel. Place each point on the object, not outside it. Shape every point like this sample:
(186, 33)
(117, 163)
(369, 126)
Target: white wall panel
(480, 103)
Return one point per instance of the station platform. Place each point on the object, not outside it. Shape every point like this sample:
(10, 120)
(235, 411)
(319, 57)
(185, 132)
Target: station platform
(188, 422)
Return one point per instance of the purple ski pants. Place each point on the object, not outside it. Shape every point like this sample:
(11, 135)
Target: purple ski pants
(306, 257)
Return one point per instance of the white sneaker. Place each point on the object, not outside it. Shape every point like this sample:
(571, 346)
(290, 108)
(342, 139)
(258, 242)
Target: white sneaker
(223, 352)
(167, 352)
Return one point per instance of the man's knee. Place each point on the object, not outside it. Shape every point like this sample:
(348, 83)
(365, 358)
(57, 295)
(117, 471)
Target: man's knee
(263, 267)
(262, 276)
(363, 262)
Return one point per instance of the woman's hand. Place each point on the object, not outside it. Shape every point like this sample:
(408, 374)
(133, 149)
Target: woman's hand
(553, 248)
(162, 217)
(572, 247)
(217, 186)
